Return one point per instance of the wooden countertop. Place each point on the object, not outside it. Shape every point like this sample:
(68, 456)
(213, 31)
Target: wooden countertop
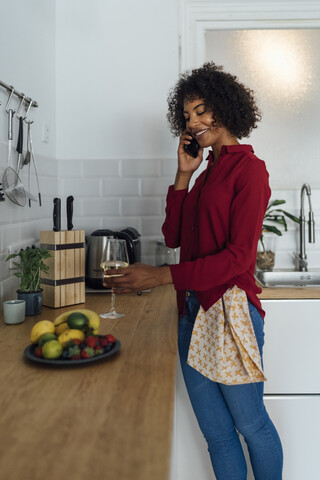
(109, 420)
(277, 293)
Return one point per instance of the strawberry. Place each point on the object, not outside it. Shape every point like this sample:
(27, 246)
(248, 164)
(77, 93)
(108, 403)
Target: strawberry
(74, 351)
(110, 338)
(91, 341)
(98, 350)
(103, 341)
(77, 341)
(87, 352)
(38, 352)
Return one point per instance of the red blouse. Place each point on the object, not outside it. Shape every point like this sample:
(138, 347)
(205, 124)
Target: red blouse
(218, 225)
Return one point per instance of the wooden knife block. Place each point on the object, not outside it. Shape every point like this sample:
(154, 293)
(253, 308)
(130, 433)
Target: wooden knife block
(64, 284)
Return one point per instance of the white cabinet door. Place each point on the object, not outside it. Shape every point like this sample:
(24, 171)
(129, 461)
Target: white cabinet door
(292, 346)
(296, 417)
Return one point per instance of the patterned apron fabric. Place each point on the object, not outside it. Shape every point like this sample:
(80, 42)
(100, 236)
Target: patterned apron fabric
(223, 344)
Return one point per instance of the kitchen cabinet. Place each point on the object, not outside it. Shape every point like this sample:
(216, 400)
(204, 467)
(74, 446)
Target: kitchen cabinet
(292, 395)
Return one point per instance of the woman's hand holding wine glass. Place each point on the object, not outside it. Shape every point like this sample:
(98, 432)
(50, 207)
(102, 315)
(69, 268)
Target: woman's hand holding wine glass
(115, 256)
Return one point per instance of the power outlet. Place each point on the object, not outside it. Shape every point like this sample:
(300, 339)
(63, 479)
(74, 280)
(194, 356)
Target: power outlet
(45, 133)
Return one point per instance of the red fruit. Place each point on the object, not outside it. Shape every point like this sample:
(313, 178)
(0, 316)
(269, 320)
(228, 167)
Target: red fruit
(75, 357)
(91, 341)
(103, 342)
(77, 341)
(38, 352)
(87, 352)
(110, 338)
(98, 350)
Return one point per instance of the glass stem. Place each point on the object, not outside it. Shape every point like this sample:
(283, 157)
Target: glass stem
(113, 299)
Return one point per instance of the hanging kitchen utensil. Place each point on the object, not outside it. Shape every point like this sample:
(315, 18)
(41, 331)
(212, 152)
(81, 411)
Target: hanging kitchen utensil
(20, 145)
(11, 182)
(27, 157)
(32, 157)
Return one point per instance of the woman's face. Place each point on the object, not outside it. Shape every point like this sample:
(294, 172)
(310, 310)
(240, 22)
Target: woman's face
(202, 125)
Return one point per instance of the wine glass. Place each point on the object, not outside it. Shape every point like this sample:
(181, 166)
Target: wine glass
(114, 256)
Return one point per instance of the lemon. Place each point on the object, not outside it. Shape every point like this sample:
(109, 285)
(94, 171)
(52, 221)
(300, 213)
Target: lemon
(77, 320)
(46, 337)
(71, 334)
(52, 349)
(39, 328)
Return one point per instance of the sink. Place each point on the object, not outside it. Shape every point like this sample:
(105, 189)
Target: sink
(288, 278)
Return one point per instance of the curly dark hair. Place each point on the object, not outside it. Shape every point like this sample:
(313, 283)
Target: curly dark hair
(232, 104)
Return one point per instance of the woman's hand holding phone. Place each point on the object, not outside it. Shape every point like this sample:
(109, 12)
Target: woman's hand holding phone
(187, 164)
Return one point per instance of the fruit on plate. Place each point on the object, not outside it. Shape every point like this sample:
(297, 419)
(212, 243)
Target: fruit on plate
(46, 337)
(61, 323)
(77, 320)
(40, 328)
(71, 334)
(52, 349)
(61, 328)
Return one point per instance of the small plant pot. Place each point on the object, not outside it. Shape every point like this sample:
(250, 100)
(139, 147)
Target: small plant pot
(266, 257)
(33, 301)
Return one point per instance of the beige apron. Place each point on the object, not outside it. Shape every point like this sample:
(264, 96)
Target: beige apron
(223, 344)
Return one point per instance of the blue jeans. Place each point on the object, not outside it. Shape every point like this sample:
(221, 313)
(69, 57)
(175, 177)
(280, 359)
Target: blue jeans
(223, 411)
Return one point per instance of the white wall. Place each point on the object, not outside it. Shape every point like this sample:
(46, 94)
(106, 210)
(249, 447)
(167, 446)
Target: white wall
(27, 61)
(116, 61)
(100, 71)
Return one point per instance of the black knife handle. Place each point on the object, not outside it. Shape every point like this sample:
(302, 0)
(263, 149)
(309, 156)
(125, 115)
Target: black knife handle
(56, 214)
(70, 211)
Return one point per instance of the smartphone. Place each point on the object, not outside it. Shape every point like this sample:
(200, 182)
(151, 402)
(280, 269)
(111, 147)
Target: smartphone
(192, 148)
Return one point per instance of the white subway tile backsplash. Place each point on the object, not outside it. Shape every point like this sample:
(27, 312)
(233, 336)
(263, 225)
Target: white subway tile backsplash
(101, 206)
(9, 288)
(4, 212)
(141, 168)
(121, 222)
(100, 168)
(152, 225)
(121, 187)
(70, 168)
(10, 235)
(88, 223)
(4, 267)
(156, 186)
(141, 206)
(169, 168)
(80, 187)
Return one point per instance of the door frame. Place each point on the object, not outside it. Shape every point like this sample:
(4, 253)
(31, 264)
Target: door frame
(197, 17)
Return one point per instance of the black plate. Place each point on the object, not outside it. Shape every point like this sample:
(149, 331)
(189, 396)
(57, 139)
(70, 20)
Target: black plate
(60, 362)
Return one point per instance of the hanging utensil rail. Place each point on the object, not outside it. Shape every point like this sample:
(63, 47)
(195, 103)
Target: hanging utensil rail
(18, 94)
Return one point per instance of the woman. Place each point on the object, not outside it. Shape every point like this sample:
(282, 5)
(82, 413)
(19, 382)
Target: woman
(217, 224)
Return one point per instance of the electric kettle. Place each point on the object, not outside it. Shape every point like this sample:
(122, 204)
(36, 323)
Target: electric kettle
(95, 244)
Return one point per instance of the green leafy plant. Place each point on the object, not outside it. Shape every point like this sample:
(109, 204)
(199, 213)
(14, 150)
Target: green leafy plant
(30, 267)
(277, 218)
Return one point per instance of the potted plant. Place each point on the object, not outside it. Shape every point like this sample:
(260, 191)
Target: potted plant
(29, 268)
(274, 218)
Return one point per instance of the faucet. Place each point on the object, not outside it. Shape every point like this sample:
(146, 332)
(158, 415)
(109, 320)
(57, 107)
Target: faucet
(302, 257)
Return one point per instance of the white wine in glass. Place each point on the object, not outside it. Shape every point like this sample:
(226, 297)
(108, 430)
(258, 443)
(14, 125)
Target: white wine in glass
(114, 256)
